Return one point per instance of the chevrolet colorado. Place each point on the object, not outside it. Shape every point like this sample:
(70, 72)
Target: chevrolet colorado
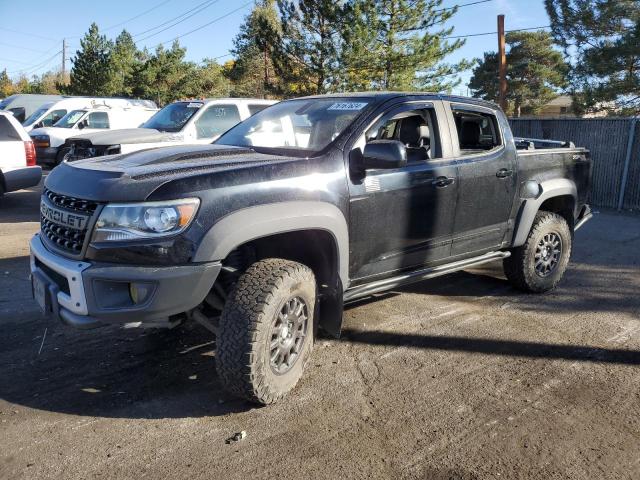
(308, 204)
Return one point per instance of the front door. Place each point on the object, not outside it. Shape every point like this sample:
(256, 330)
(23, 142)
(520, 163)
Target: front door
(402, 218)
(488, 177)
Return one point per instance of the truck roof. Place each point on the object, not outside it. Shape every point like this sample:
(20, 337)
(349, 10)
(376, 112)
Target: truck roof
(383, 96)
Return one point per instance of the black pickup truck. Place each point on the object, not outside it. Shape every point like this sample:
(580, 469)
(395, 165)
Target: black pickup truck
(307, 205)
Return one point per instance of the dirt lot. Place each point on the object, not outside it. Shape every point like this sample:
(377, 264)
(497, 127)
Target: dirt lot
(459, 377)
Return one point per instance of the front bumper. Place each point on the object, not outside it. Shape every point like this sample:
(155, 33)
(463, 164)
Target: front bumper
(86, 295)
(22, 178)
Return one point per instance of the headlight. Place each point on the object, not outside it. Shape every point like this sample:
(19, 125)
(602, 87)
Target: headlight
(42, 141)
(133, 221)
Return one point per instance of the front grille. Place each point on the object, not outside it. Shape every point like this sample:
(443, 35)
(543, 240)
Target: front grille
(61, 236)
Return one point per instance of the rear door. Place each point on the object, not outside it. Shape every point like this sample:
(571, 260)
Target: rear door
(487, 178)
(402, 218)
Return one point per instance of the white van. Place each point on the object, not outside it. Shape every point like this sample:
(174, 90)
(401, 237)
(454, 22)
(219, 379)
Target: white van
(22, 105)
(97, 116)
(179, 123)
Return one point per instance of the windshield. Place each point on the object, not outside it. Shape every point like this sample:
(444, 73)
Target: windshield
(302, 127)
(70, 119)
(173, 117)
(35, 116)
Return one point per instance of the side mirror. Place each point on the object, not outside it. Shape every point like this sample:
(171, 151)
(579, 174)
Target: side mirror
(39, 125)
(384, 154)
(82, 125)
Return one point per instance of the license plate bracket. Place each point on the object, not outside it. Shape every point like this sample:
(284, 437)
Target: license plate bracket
(41, 294)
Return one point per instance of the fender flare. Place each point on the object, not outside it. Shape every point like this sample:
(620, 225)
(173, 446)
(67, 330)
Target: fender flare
(260, 221)
(548, 189)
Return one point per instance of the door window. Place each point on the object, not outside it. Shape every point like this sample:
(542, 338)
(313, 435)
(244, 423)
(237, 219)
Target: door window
(216, 120)
(53, 117)
(253, 109)
(97, 120)
(414, 128)
(477, 131)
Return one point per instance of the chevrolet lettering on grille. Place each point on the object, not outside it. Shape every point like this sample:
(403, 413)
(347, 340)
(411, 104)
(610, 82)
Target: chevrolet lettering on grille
(61, 217)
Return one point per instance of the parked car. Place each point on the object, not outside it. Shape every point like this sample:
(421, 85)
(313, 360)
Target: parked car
(18, 167)
(51, 112)
(193, 121)
(106, 115)
(305, 206)
(22, 105)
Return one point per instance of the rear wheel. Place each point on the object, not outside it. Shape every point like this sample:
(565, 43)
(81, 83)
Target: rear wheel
(266, 330)
(62, 152)
(539, 264)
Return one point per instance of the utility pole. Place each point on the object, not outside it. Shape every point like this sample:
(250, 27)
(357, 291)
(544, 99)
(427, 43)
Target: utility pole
(502, 63)
(266, 72)
(64, 59)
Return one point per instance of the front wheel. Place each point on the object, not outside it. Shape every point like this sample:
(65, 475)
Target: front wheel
(539, 264)
(61, 155)
(266, 330)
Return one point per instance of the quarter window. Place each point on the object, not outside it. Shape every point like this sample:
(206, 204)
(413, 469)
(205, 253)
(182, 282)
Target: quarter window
(7, 132)
(97, 120)
(216, 120)
(477, 131)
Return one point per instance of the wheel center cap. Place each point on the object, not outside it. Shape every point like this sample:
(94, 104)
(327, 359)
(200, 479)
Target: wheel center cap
(284, 332)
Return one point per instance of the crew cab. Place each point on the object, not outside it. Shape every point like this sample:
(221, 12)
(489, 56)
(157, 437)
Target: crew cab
(18, 167)
(183, 122)
(97, 115)
(305, 206)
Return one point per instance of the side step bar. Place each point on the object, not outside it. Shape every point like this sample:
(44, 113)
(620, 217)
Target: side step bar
(418, 275)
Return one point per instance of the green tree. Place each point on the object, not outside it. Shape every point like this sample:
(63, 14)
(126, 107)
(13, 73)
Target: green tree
(92, 69)
(307, 52)
(6, 85)
(400, 45)
(535, 72)
(124, 59)
(601, 38)
(210, 81)
(46, 84)
(253, 72)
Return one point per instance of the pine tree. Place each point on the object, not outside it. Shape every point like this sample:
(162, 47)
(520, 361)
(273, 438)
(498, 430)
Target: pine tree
(400, 45)
(307, 54)
(535, 72)
(124, 59)
(252, 71)
(92, 70)
(601, 38)
(6, 85)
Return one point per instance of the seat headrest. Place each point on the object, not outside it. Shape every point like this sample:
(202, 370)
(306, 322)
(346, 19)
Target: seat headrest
(410, 130)
(470, 134)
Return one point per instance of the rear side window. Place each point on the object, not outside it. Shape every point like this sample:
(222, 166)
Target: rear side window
(216, 120)
(477, 131)
(7, 132)
(97, 120)
(253, 109)
(19, 113)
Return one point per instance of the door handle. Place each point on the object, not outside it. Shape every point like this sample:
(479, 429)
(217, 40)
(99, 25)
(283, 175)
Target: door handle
(504, 173)
(442, 182)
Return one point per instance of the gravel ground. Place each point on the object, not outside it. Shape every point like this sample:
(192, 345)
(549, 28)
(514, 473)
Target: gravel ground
(460, 377)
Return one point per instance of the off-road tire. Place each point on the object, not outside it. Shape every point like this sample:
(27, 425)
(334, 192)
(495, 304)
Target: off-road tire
(243, 344)
(520, 269)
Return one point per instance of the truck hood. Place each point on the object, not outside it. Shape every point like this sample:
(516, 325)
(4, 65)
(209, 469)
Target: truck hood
(129, 136)
(134, 176)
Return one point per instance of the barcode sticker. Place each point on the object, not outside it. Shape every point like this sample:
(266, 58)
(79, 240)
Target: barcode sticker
(347, 106)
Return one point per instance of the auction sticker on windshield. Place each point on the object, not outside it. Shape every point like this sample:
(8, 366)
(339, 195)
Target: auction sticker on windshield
(195, 104)
(347, 106)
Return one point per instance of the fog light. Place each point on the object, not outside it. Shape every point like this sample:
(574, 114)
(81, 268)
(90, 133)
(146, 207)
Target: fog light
(139, 292)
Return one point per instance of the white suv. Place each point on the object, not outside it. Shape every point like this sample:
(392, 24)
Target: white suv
(18, 167)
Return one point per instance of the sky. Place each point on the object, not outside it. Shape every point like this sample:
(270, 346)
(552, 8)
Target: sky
(31, 32)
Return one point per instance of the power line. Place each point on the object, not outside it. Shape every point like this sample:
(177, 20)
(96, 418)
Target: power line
(29, 34)
(28, 70)
(495, 33)
(463, 5)
(209, 23)
(137, 16)
(23, 48)
(189, 13)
